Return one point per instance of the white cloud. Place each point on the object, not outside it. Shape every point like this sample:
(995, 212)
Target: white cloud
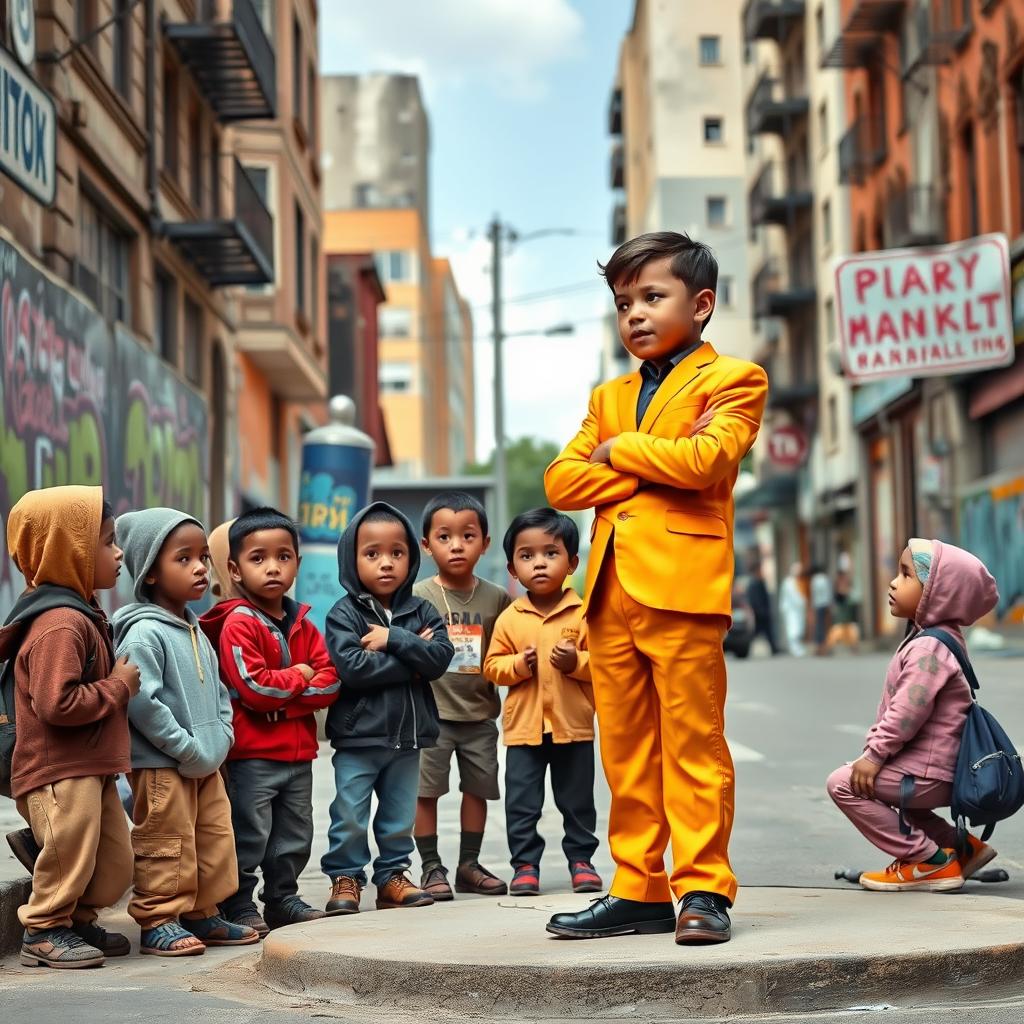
(505, 44)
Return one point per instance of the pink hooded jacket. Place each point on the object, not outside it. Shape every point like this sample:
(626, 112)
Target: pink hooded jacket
(925, 699)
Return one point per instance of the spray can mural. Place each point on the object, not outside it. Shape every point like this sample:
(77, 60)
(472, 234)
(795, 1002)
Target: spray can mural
(336, 463)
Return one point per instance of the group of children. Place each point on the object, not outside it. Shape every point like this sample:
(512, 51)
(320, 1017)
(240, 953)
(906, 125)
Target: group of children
(212, 718)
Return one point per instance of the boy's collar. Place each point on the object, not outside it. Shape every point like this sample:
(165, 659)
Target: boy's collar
(569, 599)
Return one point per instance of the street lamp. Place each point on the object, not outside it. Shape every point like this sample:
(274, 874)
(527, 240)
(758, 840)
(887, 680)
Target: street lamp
(498, 233)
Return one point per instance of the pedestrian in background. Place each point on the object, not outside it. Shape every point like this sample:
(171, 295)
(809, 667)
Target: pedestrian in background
(761, 605)
(539, 652)
(918, 727)
(845, 630)
(821, 603)
(181, 734)
(71, 722)
(793, 609)
(455, 536)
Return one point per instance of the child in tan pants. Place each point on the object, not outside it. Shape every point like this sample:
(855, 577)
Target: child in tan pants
(70, 699)
(181, 733)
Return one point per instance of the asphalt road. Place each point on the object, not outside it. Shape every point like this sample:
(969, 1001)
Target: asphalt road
(790, 722)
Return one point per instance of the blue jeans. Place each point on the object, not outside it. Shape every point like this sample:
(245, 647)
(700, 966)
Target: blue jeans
(359, 772)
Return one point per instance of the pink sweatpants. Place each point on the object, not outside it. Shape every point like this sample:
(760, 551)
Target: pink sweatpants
(878, 820)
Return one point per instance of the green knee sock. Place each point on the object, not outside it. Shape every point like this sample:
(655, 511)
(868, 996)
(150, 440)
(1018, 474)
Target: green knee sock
(469, 847)
(939, 857)
(427, 845)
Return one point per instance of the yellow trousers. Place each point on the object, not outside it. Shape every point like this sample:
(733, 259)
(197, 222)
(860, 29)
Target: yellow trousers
(659, 687)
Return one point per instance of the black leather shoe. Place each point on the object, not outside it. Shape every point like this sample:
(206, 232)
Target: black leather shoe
(612, 916)
(703, 917)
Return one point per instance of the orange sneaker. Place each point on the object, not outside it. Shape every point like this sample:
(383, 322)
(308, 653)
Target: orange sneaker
(980, 854)
(903, 876)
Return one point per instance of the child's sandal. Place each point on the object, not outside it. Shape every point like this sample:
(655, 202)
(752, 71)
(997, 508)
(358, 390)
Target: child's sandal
(164, 939)
(216, 931)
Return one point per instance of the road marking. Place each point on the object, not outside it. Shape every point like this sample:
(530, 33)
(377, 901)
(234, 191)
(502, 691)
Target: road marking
(740, 753)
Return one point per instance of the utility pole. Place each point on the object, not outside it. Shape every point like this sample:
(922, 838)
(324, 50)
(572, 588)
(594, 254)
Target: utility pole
(495, 233)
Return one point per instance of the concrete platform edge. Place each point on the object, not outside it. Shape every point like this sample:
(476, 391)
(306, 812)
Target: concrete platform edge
(12, 895)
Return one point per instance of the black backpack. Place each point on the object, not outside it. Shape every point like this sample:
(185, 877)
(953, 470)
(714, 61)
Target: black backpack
(989, 782)
(27, 607)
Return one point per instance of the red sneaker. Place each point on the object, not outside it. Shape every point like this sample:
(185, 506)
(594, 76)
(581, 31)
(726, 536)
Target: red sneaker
(585, 878)
(526, 881)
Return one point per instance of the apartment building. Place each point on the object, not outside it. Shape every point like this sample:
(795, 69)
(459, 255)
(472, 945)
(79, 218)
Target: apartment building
(678, 144)
(131, 240)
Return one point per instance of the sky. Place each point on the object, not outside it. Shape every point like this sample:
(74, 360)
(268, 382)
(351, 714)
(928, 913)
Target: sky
(517, 94)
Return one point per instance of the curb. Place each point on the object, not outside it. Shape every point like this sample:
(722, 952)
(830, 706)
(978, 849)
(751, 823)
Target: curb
(12, 895)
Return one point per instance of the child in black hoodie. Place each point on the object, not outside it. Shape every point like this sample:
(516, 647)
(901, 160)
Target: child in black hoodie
(388, 646)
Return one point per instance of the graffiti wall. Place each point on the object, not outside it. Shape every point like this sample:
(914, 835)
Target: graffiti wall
(84, 402)
(992, 526)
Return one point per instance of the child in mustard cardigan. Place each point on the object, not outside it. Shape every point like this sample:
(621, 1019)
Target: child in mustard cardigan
(538, 650)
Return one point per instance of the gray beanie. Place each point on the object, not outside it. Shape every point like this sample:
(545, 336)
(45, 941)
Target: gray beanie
(141, 535)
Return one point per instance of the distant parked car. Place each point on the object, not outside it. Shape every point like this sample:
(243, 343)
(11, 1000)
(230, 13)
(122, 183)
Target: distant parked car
(741, 634)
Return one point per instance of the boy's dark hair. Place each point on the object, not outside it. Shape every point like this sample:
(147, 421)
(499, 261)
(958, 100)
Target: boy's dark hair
(550, 521)
(257, 519)
(692, 262)
(106, 512)
(456, 501)
(381, 515)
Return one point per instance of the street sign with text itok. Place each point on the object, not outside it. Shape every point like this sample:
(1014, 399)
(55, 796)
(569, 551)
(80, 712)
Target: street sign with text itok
(787, 447)
(925, 312)
(28, 131)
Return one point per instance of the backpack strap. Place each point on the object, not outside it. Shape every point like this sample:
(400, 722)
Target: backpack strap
(950, 643)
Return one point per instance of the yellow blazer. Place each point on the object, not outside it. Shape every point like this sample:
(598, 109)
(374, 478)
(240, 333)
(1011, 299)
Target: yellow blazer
(665, 501)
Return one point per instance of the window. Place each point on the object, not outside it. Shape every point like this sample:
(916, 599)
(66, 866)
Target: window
(260, 179)
(971, 179)
(86, 19)
(366, 195)
(710, 50)
(826, 224)
(104, 258)
(395, 378)
(265, 12)
(395, 321)
(311, 102)
(713, 130)
(1017, 93)
(314, 280)
(195, 156)
(193, 342)
(724, 295)
(300, 259)
(830, 320)
(395, 265)
(170, 120)
(823, 126)
(121, 39)
(214, 157)
(716, 211)
(297, 68)
(165, 319)
(819, 29)
(833, 421)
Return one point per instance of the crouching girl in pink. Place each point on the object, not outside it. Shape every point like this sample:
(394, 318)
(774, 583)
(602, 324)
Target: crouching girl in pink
(918, 727)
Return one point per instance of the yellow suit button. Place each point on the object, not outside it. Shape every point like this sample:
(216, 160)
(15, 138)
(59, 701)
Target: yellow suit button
(623, 516)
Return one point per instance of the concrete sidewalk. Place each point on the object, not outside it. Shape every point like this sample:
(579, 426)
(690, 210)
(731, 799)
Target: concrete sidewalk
(793, 951)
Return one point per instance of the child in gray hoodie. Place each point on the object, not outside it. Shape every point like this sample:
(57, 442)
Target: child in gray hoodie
(181, 733)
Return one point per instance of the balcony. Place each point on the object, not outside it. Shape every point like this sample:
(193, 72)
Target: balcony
(931, 46)
(615, 113)
(235, 251)
(788, 387)
(619, 224)
(231, 59)
(771, 19)
(770, 111)
(915, 215)
(861, 150)
(773, 201)
(778, 293)
(617, 177)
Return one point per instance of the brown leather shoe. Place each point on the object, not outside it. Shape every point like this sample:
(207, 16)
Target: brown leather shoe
(399, 891)
(345, 895)
(477, 879)
(435, 884)
(703, 918)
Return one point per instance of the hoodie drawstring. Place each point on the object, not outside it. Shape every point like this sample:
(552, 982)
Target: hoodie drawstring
(195, 651)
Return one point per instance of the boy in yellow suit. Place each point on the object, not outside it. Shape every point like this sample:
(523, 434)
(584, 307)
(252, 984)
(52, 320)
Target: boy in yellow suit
(656, 458)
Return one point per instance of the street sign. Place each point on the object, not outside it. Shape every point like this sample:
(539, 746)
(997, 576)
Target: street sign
(28, 131)
(925, 312)
(23, 30)
(787, 447)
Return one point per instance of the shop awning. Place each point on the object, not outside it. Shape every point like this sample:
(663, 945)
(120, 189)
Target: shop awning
(774, 492)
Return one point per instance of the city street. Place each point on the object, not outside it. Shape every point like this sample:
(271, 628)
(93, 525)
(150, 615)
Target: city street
(790, 722)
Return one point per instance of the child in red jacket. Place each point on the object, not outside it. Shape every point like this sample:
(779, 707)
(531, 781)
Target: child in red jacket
(275, 664)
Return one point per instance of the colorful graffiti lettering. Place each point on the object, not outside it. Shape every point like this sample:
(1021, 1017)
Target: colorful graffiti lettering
(84, 402)
(324, 508)
(992, 527)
